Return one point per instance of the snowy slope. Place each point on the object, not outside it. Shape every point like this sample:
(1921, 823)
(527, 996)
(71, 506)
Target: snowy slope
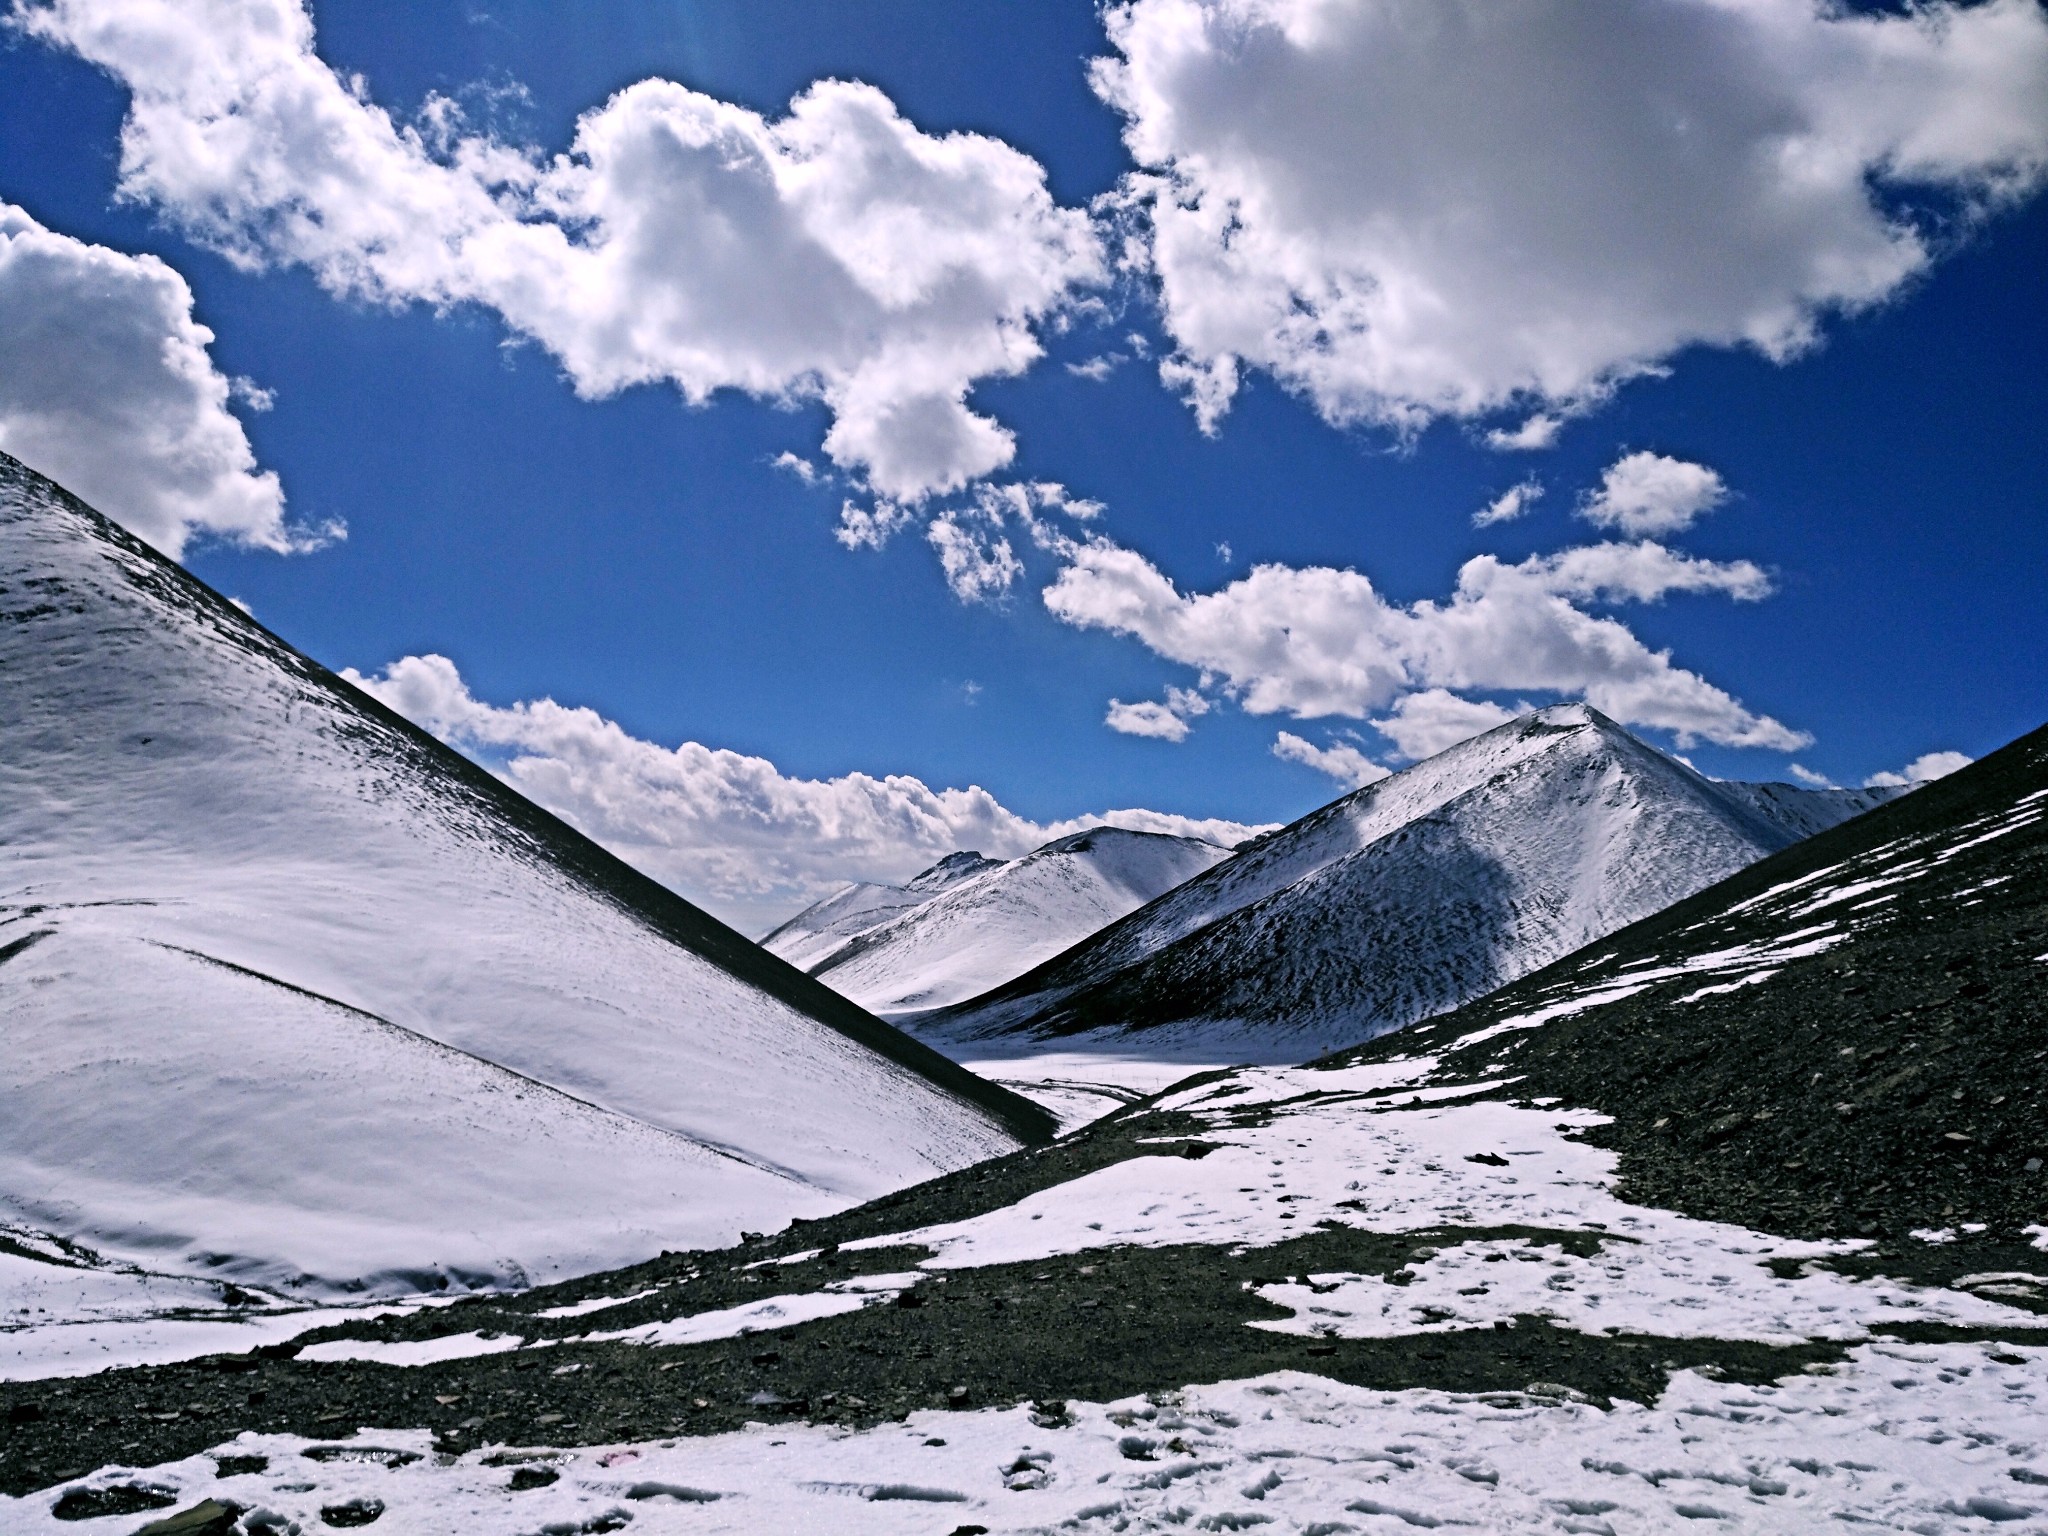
(1411, 895)
(1803, 812)
(978, 932)
(826, 925)
(1523, 1268)
(292, 993)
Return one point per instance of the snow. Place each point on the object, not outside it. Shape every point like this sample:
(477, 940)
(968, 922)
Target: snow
(824, 926)
(766, 1312)
(1926, 1439)
(596, 1304)
(986, 925)
(295, 997)
(454, 1346)
(1406, 898)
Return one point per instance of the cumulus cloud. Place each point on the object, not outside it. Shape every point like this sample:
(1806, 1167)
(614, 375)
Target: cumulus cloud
(106, 386)
(1166, 721)
(1346, 764)
(1508, 505)
(1405, 209)
(729, 831)
(1924, 769)
(1649, 495)
(1424, 723)
(836, 252)
(1312, 641)
(1809, 778)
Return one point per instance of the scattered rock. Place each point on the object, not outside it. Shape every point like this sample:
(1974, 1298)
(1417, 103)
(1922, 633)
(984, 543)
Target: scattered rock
(122, 1499)
(354, 1513)
(210, 1517)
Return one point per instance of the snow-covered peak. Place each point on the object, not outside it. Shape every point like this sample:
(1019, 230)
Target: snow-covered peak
(977, 932)
(950, 871)
(294, 992)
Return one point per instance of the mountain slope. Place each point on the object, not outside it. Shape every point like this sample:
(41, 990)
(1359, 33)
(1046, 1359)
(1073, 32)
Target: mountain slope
(1412, 895)
(292, 991)
(1845, 1038)
(977, 932)
(825, 926)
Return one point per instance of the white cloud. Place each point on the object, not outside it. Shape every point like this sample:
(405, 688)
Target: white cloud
(1425, 723)
(870, 527)
(729, 831)
(106, 386)
(1146, 718)
(1162, 722)
(1809, 778)
(1346, 764)
(836, 252)
(1649, 495)
(1924, 769)
(1097, 368)
(1316, 641)
(1538, 432)
(1405, 209)
(979, 566)
(796, 464)
(1508, 505)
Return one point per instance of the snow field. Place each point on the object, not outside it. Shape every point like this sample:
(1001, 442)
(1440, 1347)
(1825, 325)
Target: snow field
(1930, 1440)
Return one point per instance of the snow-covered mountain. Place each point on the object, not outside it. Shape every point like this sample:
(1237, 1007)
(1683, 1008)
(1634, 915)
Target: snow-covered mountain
(1411, 895)
(825, 926)
(969, 923)
(292, 993)
(1732, 1221)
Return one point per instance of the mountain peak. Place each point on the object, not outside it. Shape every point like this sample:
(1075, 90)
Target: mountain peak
(951, 870)
(977, 930)
(1413, 894)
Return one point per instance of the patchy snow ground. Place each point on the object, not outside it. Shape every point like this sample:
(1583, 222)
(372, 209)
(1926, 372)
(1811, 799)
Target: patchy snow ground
(1928, 1439)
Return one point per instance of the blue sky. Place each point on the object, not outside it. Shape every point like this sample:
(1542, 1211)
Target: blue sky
(626, 553)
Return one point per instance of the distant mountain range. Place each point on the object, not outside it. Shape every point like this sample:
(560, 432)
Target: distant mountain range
(970, 923)
(294, 994)
(1410, 896)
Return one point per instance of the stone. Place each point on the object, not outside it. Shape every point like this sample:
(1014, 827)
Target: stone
(209, 1517)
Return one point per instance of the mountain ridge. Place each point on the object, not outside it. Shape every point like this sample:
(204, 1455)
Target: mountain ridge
(1469, 858)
